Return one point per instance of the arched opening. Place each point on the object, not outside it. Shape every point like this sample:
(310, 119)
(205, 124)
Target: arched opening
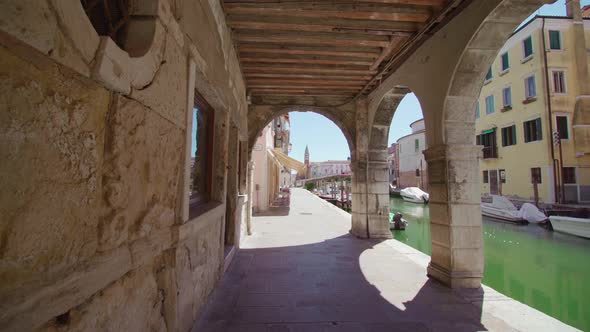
(299, 149)
(130, 24)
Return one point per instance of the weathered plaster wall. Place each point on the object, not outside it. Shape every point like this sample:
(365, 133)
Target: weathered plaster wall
(92, 233)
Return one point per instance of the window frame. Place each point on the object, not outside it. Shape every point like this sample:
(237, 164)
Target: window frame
(538, 132)
(527, 85)
(567, 123)
(503, 70)
(491, 97)
(486, 176)
(563, 81)
(504, 103)
(201, 199)
(535, 176)
(505, 135)
(526, 57)
(489, 75)
(559, 36)
(416, 145)
(575, 175)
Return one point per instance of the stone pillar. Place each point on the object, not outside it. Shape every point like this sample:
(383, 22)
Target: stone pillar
(370, 195)
(455, 215)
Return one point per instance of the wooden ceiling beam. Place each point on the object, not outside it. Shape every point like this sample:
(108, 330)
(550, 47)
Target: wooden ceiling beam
(305, 81)
(245, 59)
(326, 24)
(305, 69)
(303, 87)
(298, 77)
(308, 50)
(315, 38)
(395, 2)
(395, 44)
(347, 11)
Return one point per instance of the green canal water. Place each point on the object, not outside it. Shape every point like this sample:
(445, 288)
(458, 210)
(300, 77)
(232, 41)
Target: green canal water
(546, 270)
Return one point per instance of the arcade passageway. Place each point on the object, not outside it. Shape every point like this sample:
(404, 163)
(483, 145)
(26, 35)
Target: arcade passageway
(305, 272)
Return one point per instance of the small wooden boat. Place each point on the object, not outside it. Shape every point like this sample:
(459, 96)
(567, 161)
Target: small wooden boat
(570, 225)
(414, 195)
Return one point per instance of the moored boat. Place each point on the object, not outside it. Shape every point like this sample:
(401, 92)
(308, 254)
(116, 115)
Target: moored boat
(414, 195)
(502, 208)
(570, 225)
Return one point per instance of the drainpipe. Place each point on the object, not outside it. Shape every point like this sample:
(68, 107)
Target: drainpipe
(549, 111)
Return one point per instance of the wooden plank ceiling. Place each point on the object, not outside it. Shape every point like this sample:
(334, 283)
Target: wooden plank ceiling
(325, 48)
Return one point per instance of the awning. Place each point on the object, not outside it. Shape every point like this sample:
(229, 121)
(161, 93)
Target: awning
(487, 131)
(287, 161)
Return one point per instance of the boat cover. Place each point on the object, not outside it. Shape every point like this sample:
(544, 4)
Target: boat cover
(530, 213)
(414, 192)
(502, 203)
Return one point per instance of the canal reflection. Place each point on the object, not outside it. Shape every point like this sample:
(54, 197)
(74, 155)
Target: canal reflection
(545, 270)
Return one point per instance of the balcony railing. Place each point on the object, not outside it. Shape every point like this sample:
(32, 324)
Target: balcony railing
(490, 152)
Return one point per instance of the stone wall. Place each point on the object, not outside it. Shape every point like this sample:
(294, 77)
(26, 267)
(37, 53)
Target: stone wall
(93, 234)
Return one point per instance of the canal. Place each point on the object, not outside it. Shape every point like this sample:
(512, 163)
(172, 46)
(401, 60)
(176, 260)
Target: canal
(546, 270)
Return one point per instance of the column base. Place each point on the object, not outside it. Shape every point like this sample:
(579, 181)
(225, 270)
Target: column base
(362, 234)
(463, 279)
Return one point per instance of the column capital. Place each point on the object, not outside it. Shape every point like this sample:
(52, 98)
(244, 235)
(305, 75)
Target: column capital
(453, 152)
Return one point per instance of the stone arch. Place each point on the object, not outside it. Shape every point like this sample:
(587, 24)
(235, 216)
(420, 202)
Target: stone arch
(260, 116)
(130, 63)
(383, 117)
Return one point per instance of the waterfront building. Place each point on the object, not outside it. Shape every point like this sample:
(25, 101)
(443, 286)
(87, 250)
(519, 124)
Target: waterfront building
(392, 160)
(271, 171)
(412, 169)
(330, 167)
(529, 95)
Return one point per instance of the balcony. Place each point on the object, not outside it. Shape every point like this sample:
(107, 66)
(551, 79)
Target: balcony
(490, 152)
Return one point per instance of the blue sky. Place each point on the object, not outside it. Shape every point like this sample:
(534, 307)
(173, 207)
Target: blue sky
(326, 141)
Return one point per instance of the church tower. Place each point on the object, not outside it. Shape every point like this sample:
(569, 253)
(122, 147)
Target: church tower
(306, 161)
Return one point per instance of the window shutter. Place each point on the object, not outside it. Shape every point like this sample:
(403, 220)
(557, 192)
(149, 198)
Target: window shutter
(526, 132)
(539, 129)
(514, 134)
(504, 136)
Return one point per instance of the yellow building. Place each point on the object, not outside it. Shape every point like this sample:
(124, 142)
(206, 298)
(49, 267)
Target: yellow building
(529, 94)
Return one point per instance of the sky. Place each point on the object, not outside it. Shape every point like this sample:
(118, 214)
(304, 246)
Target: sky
(326, 141)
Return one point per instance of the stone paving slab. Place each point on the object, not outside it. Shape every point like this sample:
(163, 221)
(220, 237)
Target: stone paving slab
(303, 271)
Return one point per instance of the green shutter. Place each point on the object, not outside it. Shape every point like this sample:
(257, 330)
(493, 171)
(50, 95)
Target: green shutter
(513, 134)
(504, 138)
(539, 129)
(528, 46)
(526, 132)
(505, 61)
(554, 40)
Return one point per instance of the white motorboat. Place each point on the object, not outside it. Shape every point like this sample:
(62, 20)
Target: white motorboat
(414, 195)
(502, 208)
(573, 226)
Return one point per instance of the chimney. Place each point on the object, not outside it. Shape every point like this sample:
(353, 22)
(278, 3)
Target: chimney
(572, 9)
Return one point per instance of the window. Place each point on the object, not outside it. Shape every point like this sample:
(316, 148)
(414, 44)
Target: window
(554, 40)
(502, 175)
(201, 150)
(485, 177)
(562, 127)
(505, 61)
(569, 175)
(489, 74)
(509, 135)
(507, 97)
(490, 104)
(417, 172)
(527, 47)
(488, 140)
(416, 145)
(530, 90)
(477, 110)
(536, 175)
(533, 130)
(558, 81)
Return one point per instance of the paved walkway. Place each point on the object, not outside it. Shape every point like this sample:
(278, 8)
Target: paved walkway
(302, 271)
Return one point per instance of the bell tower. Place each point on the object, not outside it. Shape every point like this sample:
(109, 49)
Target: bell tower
(306, 161)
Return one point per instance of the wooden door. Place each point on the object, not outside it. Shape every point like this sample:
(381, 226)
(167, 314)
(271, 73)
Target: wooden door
(494, 182)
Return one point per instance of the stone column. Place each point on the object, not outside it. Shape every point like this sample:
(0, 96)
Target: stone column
(455, 215)
(370, 195)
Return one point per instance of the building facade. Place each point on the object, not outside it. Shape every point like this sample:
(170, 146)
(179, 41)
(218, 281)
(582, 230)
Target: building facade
(412, 169)
(330, 167)
(392, 160)
(529, 95)
(269, 174)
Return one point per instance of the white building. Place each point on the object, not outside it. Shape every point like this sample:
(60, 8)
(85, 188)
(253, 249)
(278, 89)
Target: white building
(412, 166)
